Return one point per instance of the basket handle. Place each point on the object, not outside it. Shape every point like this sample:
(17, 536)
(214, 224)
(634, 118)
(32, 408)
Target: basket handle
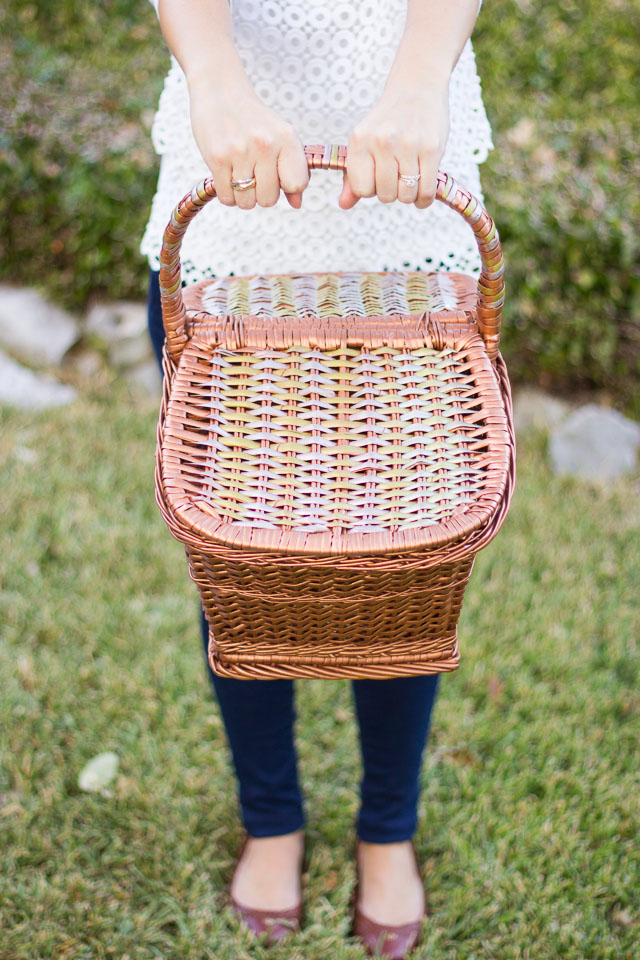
(334, 157)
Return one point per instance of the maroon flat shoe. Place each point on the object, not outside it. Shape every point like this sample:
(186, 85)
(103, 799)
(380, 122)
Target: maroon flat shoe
(390, 941)
(275, 924)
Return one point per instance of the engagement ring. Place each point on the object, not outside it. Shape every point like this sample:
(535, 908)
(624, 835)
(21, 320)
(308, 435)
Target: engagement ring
(410, 178)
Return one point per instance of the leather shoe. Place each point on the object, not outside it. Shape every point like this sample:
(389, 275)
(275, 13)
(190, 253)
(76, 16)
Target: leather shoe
(391, 941)
(275, 924)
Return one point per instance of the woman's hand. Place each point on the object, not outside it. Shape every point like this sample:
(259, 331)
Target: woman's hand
(239, 137)
(407, 130)
(236, 133)
(405, 133)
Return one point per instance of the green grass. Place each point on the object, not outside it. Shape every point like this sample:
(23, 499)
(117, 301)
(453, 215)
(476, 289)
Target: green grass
(529, 811)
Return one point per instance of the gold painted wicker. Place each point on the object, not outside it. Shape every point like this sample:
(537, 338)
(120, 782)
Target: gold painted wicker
(333, 450)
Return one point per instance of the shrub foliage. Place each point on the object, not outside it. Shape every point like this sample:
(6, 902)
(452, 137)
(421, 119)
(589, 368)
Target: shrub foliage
(559, 81)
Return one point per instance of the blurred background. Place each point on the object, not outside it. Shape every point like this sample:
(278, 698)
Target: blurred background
(529, 818)
(560, 80)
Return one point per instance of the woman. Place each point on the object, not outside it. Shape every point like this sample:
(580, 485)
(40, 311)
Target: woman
(396, 81)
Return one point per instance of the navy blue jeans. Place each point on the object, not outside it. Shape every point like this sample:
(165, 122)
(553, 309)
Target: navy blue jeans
(393, 718)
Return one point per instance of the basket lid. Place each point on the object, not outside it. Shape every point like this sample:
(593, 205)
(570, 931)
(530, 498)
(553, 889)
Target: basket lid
(334, 413)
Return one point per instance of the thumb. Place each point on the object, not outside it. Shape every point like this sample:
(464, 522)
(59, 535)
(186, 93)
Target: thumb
(347, 198)
(295, 199)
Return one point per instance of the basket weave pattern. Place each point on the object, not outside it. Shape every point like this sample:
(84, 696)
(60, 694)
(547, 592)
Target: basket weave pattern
(333, 449)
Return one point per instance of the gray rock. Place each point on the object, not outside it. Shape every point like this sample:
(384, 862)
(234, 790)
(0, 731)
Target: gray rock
(145, 380)
(534, 409)
(130, 352)
(22, 388)
(595, 443)
(122, 326)
(99, 771)
(35, 331)
(84, 360)
(112, 322)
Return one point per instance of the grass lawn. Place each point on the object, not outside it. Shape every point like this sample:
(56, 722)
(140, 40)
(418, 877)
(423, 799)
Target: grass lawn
(529, 812)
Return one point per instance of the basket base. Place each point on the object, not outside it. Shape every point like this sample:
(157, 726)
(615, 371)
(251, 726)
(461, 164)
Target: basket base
(353, 671)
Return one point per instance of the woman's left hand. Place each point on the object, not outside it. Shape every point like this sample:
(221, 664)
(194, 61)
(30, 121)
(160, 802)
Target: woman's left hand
(405, 133)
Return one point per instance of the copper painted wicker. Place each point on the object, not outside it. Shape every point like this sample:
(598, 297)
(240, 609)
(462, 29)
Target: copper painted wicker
(333, 450)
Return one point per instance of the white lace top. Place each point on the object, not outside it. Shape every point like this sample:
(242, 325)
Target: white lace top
(322, 66)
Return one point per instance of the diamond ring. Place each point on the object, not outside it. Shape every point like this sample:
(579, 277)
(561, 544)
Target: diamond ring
(243, 184)
(410, 179)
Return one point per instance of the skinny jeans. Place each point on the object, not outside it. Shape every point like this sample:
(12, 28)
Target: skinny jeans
(393, 718)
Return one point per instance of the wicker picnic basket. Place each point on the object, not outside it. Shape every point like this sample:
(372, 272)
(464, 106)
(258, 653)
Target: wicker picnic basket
(333, 450)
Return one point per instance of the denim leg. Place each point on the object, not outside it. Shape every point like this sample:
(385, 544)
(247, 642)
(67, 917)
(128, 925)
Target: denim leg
(394, 717)
(154, 315)
(258, 715)
(259, 718)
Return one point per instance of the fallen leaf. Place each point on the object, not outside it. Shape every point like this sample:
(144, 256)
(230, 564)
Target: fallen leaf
(622, 918)
(522, 133)
(126, 786)
(25, 454)
(495, 688)
(462, 757)
(458, 756)
(26, 672)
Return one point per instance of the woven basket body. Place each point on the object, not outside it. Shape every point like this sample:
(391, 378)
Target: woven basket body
(333, 450)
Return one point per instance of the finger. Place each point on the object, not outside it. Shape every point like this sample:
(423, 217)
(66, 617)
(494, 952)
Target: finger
(294, 199)
(293, 172)
(245, 197)
(360, 171)
(428, 179)
(267, 183)
(347, 198)
(386, 172)
(408, 165)
(221, 173)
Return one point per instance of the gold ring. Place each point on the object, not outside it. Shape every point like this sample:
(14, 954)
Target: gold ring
(245, 184)
(410, 179)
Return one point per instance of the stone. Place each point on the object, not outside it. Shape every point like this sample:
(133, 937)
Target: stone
(122, 326)
(122, 320)
(26, 390)
(35, 331)
(145, 380)
(533, 409)
(131, 351)
(99, 772)
(84, 360)
(595, 443)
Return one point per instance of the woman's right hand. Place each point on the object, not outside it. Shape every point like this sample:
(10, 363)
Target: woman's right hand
(239, 137)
